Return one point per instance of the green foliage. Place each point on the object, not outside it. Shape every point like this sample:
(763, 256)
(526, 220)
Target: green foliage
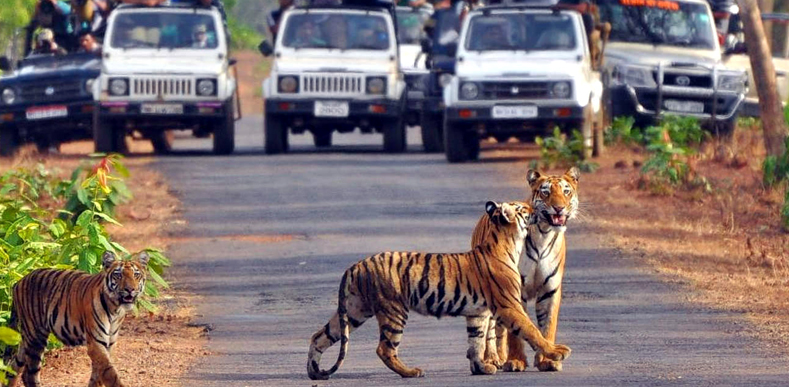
(563, 152)
(669, 146)
(623, 131)
(48, 222)
(242, 36)
(14, 14)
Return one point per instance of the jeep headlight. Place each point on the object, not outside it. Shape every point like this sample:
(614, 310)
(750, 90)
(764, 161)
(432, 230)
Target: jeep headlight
(206, 87)
(119, 86)
(469, 90)
(560, 90)
(376, 85)
(288, 84)
(732, 82)
(635, 76)
(9, 96)
(444, 79)
(89, 85)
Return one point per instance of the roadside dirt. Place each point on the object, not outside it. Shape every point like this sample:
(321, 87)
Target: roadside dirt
(157, 347)
(252, 68)
(727, 244)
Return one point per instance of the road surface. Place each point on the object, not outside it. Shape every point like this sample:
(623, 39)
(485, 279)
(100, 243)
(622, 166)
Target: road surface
(268, 238)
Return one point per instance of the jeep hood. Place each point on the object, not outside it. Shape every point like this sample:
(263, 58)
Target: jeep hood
(651, 55)
(531, 67)
(318, 63)
(136, 64)
(56, 67)
(409, 54)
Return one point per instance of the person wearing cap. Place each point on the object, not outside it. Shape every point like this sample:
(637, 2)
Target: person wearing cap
(200, 36)
(53, 15)
(45, 44)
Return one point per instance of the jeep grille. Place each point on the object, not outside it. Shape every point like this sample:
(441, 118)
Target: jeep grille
(162, 87)
(515, 90)
(332, 84)
(51, 91)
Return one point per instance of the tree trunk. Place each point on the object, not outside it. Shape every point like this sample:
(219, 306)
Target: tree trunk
(770, 108)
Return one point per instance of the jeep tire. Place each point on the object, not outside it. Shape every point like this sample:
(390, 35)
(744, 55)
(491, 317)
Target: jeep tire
(460, 143)
(225, 131)
(162, 141)
(276, 135)
(9, 140)
(394, 135)
(432, 126)
(108, 136)
(322, 137)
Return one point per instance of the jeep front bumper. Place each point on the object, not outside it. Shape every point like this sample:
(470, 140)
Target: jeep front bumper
(364, 109)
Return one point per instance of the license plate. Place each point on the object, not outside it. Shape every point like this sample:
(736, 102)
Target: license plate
(684, 106)
(40, 113)
(514, 111)
(151, 108)
(331, 109)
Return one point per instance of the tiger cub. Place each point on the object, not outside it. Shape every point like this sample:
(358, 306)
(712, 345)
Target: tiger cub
(555, 202)
(78, 308)
(478, 285)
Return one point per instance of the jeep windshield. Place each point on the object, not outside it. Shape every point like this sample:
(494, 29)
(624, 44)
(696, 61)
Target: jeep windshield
(410, 24)
(332, 30)
(169, 30)
(521, 31)
(659, 22)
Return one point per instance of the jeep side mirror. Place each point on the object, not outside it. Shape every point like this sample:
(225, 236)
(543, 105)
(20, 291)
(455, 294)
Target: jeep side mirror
(427, 45)
(265, 48)
(452, 48)
(5, 64)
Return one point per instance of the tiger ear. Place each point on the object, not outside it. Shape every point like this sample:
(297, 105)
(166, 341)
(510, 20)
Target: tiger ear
(490, 208)
(107, 259)
(143, 258)
(532, 176)
(574, 174)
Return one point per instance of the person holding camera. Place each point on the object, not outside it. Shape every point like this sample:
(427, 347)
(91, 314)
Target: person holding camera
(46, 45)
(53, 15)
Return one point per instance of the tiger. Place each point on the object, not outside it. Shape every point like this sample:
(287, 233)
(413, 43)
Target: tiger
(79, 309)
(478, 284)
(555, 201)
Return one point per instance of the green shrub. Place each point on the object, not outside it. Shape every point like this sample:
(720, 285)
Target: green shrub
(623, 131)
(669, 145)
(242, 36)
(47, 222)
(559, 151)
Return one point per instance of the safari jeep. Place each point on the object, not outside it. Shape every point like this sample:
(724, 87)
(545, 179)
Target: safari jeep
(663, 57)
(164, 68)
(336, 68)
(520, 71)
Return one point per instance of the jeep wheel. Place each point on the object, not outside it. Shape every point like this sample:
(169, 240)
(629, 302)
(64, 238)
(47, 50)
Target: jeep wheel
(460, 144)
(162, 141)
(9, 140)
(225, 131)
(108, 136)
(322, 137)
(394, 136)
(276, 135)
(432, 126)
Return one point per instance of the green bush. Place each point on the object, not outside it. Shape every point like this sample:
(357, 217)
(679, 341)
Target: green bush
(559, 151)
(48, 222)
(669, 145)
(623, 131)
(242, 36)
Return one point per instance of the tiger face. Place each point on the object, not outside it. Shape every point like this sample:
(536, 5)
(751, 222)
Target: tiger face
(125, 280)
(515, 215)
(554, 197)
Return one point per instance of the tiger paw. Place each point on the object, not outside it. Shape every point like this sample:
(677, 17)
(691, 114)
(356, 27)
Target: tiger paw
(546, 365)
(413, 373)
(515, 365)
(493, 359)
(482, 368)
(557, 353)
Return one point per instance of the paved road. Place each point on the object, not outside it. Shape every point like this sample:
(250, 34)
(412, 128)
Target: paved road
(269, 237)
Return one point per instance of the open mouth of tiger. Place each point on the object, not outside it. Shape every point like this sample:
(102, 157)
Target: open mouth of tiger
(127, 299)
(557, 220)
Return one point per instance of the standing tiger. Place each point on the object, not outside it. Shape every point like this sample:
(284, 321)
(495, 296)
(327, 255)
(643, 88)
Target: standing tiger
(555, 201)
(78, 308)
(478, 285)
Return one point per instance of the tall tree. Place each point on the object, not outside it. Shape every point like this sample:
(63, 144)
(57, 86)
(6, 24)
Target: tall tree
(770, 108)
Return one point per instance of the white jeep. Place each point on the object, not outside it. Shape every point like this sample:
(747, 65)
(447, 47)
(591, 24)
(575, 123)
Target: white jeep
(520, 71)
(165, 68)
(335, 68)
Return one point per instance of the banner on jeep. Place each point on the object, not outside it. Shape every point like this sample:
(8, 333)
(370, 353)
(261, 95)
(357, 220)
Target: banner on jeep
(661, 4)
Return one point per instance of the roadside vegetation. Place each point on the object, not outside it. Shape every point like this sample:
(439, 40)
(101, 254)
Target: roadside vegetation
(563, 151)
(47, 221)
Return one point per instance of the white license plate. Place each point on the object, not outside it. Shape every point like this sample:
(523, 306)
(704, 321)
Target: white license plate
(40, 113)
(331, 109)
(159, 108)
(684, 106)
(514, 112)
